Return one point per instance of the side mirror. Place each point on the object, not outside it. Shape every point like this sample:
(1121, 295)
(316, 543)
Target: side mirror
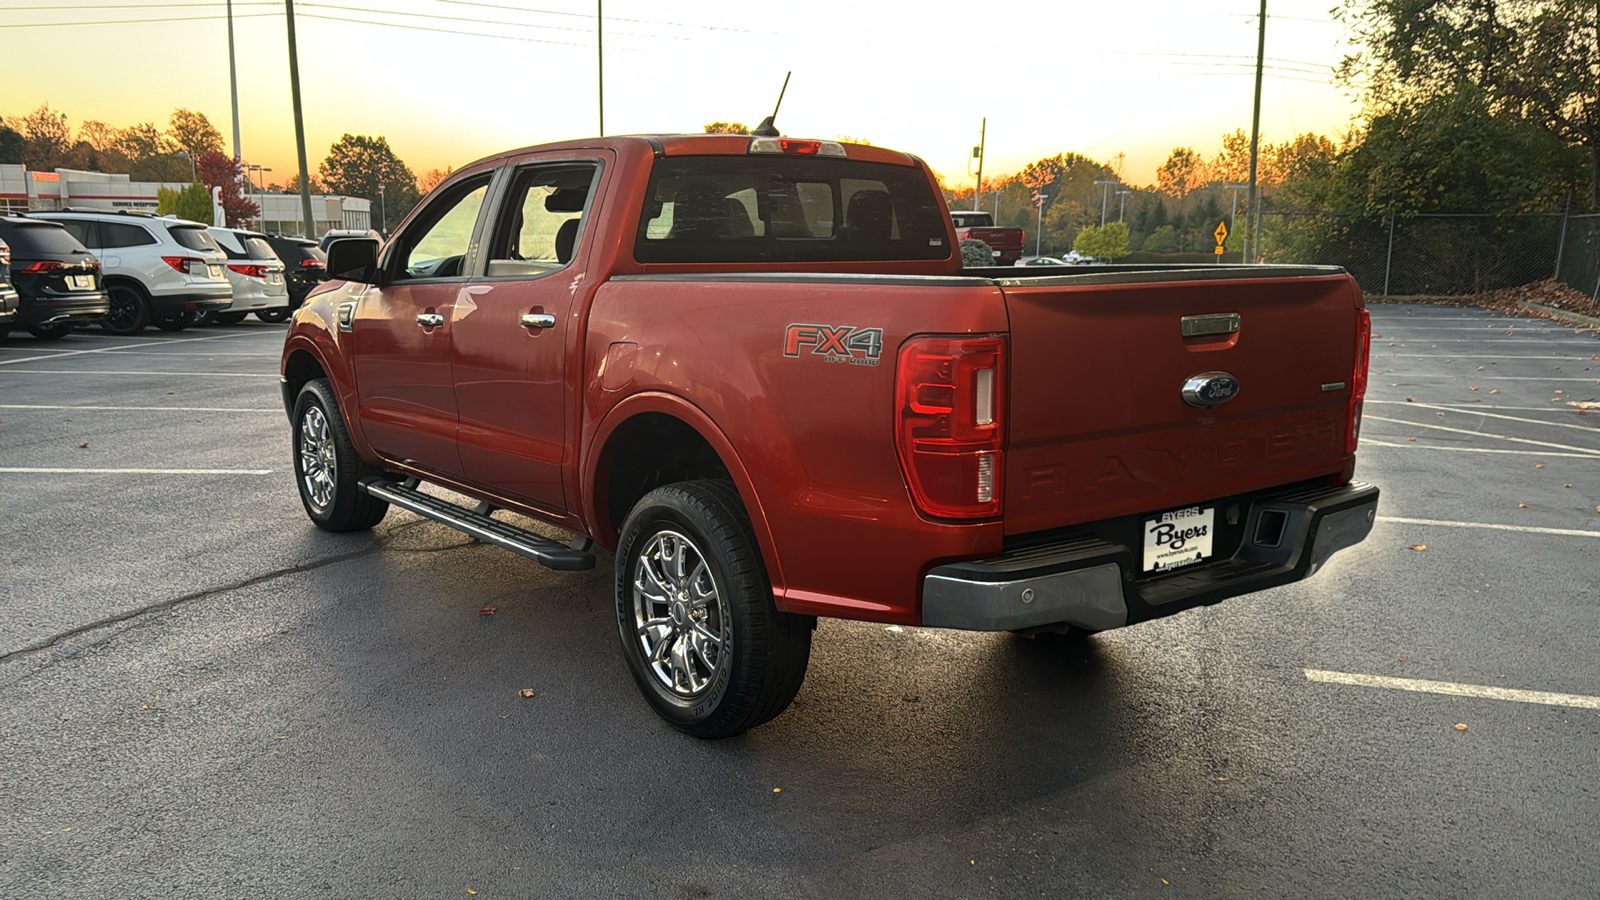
(354, 259)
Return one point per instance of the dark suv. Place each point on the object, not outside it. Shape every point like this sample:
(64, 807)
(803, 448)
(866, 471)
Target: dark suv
(57, 279)
(8, 294)
(305, 267)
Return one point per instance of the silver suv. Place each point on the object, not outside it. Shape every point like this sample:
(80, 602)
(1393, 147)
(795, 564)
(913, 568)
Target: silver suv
(163, 271)
(256, 273)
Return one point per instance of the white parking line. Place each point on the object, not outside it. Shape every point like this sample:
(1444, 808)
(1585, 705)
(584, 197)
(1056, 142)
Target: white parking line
(1464, 356)
(176, 374)
(1492, 526)
(1486, 377)
(61, 354)
(1591, 429)
(1473, 407)
(249, 409)
(1503, 339)
(1374, 442)
(1592, 451)
(1453, 689)
(16, 470)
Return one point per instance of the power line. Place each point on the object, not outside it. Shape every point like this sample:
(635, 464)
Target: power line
(500, 37)
(137, 21)
(385, 12)
(551, 12)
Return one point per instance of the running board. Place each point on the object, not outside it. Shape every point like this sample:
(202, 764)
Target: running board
(481, 525)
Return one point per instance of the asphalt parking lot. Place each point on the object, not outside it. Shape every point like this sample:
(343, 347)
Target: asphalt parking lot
(203, 695)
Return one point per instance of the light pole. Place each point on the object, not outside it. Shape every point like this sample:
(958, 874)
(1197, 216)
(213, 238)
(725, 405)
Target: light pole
(383, 206)
(977, 153)
(997, 206)
(190, 157)
(1235, 189)
(1122, 204)
(1038, 228)
(1105, 194)
(261, 214)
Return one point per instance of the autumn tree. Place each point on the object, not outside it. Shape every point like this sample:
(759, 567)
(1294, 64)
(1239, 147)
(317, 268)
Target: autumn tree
(358, 165)
(47, 137)
(726, 128)
(193, 133)
(1232, 164)
(1180, 174)
(218, 171)
(292, 185)
(433, 179)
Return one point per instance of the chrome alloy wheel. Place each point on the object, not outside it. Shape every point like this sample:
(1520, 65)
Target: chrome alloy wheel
(679, 615)
(318, 467)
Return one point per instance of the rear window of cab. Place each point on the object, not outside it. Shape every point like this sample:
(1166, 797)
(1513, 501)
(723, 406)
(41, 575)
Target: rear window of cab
(193, 237)
(730, 209)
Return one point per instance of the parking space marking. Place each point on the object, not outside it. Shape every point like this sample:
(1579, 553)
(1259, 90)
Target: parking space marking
(174, 374)
(66, 353)
(1591, 429)
(1487, 377)
(1453, 689)
(1474, 407)
(1373, 442)
(1503, 339)
(21, 470)
(1497, 356)
(249, 409)
(1589, 451)
(1492, 526)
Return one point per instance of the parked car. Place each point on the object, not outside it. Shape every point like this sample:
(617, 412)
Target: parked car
(755, 369)
(256, 274)
(1074, 258)
(57, 279)
(8, 294)
(1040, 261)
(334, 234)
(305, 267)
(163, 271)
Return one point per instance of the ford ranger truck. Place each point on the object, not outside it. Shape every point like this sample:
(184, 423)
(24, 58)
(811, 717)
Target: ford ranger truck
(753, 369)
(1005, 241)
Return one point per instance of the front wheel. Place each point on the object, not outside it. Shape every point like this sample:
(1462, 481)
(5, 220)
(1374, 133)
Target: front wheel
(229, 318)
(327, 468)
(698, 627)
(178, 321)
(129, 313)
(273, 315)
(51, 332)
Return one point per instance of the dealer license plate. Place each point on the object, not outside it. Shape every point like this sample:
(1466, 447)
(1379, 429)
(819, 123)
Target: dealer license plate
(1181, 537)
(81, 282)
(274, 278)
(216, 271)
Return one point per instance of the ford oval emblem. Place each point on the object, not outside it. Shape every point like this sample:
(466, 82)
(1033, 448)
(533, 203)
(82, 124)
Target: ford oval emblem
(1210, 389)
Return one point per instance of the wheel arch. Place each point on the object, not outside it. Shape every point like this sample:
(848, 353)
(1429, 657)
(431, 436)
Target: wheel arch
(652, 439)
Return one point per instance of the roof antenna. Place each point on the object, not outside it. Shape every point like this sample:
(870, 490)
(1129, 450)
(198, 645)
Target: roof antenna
(766, 128)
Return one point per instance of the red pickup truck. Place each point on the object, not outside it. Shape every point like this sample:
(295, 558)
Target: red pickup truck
(1005, 241)
(755, 370)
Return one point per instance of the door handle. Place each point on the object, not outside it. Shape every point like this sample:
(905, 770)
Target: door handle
(430, 320)
(538, 320)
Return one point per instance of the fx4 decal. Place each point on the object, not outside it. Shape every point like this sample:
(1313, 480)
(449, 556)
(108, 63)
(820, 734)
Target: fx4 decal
(835, 343)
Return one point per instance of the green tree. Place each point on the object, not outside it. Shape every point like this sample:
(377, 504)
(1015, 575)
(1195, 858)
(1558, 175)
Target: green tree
(726, 128)
(1110, 242)
(1164, 239)
(192, 202)
(1534, 60)
(12, 144)
(193, 133)
(358, 165)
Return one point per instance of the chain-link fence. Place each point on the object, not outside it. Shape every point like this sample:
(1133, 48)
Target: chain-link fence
(1445, 255)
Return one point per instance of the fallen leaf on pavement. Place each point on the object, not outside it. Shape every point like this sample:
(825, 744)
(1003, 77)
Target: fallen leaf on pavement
(1495, 391)
(1471, 388)
(1410, 438)
(486, 611)
(1461, 727)
(1522, 506)
(1538, 465)
(525, 692)
(1411, 400)
(1419, 547)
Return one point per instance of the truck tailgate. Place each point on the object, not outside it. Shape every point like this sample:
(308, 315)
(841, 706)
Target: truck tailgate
(1098, 423)
(998, 237)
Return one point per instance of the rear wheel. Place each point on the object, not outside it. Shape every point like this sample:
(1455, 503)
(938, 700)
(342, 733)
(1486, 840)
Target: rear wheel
(273, 315)
(695, 615)
(129, 312)
(327, 468)
(178, 321)
(230, 318)
(50, 332)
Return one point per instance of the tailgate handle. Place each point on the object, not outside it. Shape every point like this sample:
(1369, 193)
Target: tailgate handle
(1220, 323)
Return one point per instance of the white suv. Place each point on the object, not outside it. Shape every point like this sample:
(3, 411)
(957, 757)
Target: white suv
(256, 274)
(162, 271)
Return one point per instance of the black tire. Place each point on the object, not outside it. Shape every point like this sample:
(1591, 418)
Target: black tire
(761, 659)
(178, 321)
(50, 332)
(5, 332)
(228, 318)
(320, 441)
(130, 310)
(273, 315)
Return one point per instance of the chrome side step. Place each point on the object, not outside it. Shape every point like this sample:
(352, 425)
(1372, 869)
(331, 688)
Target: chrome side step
(479, 524)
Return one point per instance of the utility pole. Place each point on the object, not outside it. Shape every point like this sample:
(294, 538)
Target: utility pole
(600, 57)
(997, 206)
(1105, 194)
(977, 189)
(1038, 229)
(1122, 205)
(1253, 239)
(233, 85)
(300, 127)
(383, 205)
(1234, 189)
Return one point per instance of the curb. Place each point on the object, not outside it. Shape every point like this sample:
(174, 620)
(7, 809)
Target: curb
(1561, 314)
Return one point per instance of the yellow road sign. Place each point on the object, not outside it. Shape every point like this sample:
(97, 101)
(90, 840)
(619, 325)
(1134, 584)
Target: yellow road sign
(1222, 233)
(1219, 249)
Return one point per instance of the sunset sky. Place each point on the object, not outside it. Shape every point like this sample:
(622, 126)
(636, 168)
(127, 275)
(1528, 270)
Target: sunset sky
(1136, 78)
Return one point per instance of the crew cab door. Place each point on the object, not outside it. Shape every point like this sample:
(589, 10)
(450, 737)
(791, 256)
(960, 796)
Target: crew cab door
(401, 333)
(514, 328)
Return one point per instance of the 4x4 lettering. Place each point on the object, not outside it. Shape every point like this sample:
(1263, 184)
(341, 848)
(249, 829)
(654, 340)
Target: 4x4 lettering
(838, 343)
(833, 340)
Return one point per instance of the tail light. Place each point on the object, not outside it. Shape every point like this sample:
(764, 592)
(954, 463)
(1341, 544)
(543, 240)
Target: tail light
(5, 256)
(950, 423)
(311, 264)
(794, 147)
(252, 271)
(188, 265)
(1358, 377)
(46, 265)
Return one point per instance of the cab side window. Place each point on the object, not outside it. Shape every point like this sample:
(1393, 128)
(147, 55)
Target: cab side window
(542, 221)
(436, 245)
(116, 234)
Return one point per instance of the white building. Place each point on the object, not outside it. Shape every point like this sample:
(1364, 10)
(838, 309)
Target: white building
(23, 191)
